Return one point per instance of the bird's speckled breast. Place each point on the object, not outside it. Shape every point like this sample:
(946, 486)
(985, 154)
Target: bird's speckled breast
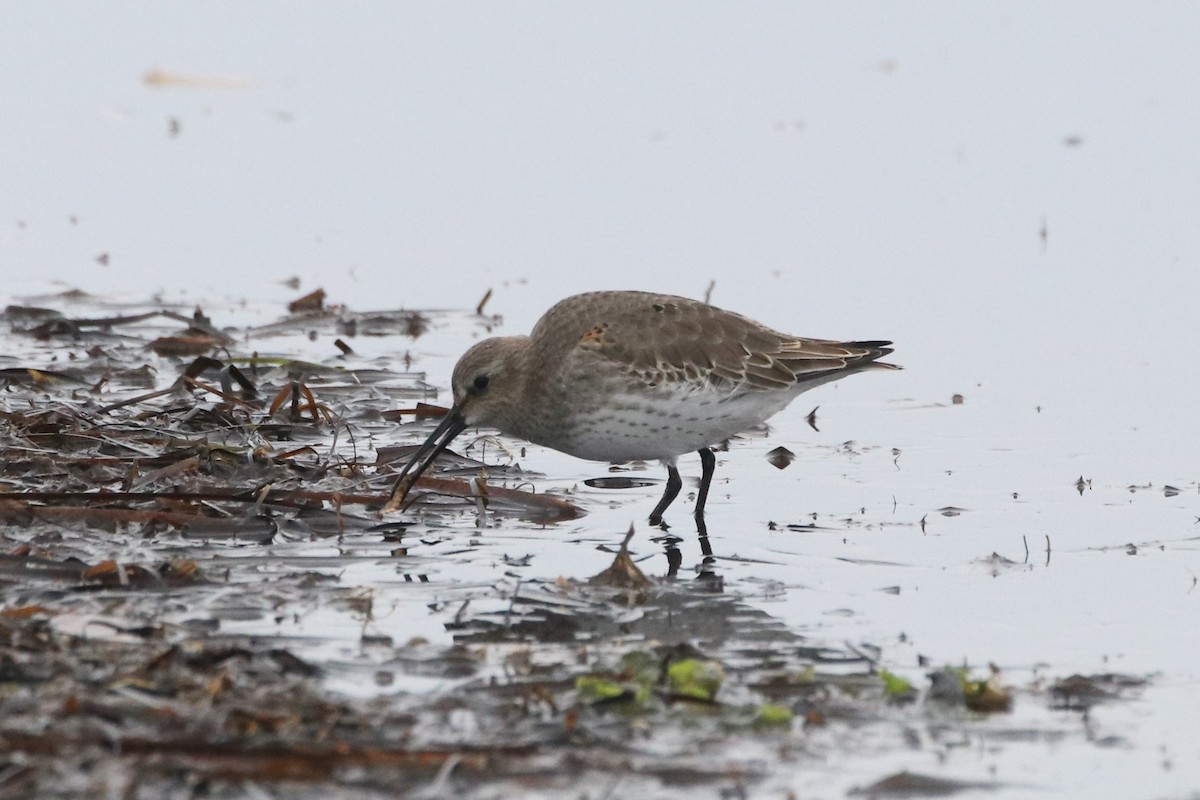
(641, 427)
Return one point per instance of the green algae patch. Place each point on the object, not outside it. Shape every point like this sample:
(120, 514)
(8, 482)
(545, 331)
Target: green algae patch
(592, 687)
(773, 716)
(696, 678)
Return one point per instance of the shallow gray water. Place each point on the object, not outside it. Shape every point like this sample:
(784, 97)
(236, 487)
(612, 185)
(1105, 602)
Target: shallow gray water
(1008, 192)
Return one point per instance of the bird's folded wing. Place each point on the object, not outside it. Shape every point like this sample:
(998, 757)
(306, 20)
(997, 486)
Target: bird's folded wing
(690, 344)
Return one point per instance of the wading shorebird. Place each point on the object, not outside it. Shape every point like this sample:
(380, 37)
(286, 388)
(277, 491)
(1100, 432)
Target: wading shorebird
(625, 376)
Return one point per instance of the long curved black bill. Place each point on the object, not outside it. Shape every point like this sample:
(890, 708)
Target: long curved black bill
(451, 425)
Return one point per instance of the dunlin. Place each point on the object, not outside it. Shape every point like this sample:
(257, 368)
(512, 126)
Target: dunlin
(624, 376)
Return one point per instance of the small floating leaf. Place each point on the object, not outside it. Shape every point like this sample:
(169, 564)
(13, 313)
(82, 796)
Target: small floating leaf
(781, 457)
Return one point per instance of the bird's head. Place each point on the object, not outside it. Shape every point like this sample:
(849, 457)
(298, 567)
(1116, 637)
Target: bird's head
(486, 382)
(486, 388)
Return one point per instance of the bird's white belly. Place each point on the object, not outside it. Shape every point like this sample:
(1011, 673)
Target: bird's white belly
(633, 427)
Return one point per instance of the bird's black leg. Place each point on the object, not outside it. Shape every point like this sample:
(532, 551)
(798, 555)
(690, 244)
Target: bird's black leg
(708, 465)
(674, 484)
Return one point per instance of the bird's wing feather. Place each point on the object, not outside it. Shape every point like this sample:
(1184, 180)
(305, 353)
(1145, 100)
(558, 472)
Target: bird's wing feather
(654, 339)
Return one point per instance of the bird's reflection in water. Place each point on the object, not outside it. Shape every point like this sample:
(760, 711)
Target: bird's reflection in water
(705, 571)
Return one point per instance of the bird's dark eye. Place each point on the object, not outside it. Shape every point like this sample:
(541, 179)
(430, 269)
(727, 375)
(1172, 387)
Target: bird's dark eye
(481, 382)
